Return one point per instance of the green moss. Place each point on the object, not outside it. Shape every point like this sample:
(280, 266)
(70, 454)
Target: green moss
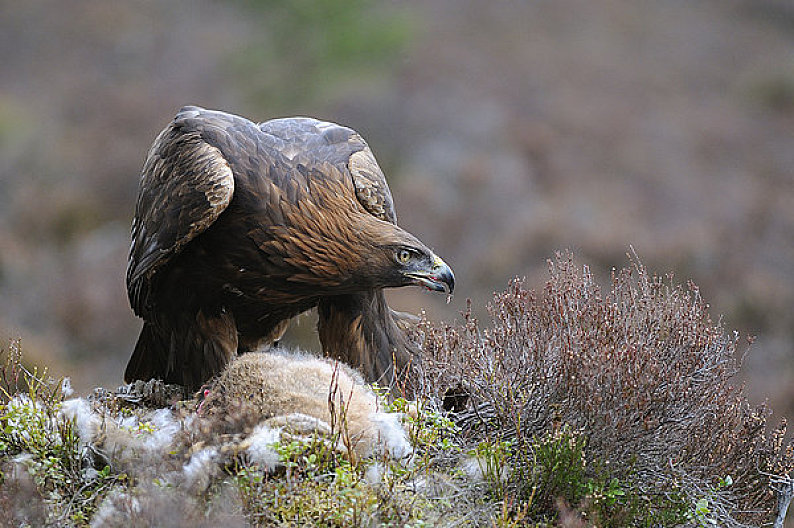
(37, 438)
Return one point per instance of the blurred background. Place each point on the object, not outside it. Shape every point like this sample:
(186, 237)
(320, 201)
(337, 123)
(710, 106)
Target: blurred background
(508, 130)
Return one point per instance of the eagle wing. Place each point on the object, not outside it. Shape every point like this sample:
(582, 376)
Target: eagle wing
(186, 183)
(372, 190)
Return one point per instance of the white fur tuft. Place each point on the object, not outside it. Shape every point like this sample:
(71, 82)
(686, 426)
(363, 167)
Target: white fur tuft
(374, 473)
(201, 467)
(392, 434)
(165, 429)
(66, 387)
(116, 505)
(474, 468)
(87, 421)
(260, 449)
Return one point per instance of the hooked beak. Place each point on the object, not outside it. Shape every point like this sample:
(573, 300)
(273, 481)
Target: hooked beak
(439, 278)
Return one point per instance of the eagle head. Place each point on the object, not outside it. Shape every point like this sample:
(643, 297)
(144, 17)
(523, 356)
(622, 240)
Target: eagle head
(397, 258)
(420, 266)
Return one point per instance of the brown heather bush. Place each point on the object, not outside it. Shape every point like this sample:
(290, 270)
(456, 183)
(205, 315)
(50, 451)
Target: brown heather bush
(641, 370)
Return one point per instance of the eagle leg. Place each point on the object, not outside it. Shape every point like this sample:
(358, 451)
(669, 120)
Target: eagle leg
(360, 329)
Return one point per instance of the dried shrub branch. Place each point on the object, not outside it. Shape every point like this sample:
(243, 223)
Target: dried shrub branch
(641, 369)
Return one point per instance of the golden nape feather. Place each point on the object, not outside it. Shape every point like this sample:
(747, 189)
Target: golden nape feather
(241, 226)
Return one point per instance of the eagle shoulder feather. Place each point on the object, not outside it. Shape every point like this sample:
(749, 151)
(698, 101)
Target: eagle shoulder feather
(186, 183)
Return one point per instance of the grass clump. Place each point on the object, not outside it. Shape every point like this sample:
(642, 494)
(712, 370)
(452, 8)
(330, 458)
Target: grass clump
(321, 488)
(565, 473)
(41, 452)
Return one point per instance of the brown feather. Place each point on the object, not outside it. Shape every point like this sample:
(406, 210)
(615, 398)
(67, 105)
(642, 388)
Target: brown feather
(239, 227)
(361, 330)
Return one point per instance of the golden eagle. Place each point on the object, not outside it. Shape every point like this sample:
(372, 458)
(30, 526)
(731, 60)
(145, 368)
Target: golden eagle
(241, 226)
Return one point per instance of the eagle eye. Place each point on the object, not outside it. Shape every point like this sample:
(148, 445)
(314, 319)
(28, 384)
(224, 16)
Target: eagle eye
(403, 256)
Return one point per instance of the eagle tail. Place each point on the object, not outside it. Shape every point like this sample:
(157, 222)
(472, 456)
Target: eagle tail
(148, 360)
(188, 351)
